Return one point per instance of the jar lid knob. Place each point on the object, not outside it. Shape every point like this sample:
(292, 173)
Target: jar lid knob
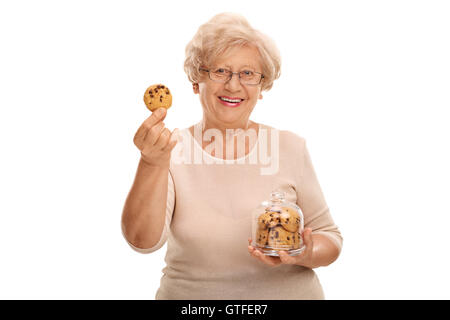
(277, 195)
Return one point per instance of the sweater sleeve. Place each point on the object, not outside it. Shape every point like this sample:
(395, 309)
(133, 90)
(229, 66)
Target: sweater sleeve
(312, 201)
(170, 205)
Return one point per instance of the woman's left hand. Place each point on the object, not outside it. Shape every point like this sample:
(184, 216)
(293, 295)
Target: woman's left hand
(303, 259)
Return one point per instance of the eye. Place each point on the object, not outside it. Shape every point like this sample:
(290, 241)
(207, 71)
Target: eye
(221, 70)
(247, 73)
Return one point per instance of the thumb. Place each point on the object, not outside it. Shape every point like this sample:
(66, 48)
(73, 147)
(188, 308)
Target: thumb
(163, 113)
(160, 114)
(307, 237)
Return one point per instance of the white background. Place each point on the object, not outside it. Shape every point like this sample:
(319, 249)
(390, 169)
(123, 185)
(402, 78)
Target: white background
(365, 82)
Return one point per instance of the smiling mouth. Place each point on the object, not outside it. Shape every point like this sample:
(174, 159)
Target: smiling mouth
(231, 100)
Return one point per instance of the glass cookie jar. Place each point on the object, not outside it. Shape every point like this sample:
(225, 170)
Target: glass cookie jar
(278, 225)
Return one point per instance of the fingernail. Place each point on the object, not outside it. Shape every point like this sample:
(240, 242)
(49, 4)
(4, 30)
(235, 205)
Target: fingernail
(160, 112)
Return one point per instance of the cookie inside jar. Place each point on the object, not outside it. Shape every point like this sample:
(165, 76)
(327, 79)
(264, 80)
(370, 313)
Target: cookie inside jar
(278, 225)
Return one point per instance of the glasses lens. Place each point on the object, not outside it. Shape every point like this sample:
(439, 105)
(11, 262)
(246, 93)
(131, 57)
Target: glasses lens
(221, 75)
(250, 77)
(246, 76)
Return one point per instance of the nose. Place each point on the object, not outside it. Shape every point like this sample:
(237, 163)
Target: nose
(234, 84)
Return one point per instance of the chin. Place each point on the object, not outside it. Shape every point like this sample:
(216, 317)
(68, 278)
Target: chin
(229, 117)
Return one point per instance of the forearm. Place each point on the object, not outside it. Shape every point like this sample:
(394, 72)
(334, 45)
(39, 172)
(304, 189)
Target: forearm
(325, 251)
(143, 215)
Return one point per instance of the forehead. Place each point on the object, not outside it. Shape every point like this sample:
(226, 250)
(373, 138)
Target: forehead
(239, 57)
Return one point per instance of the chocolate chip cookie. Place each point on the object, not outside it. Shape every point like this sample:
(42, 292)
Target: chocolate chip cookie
(261, 237)
(269, 219)
(157, 96)
(289, 219)
(280, 239)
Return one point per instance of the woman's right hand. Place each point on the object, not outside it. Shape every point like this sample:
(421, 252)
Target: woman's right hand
(154, 140)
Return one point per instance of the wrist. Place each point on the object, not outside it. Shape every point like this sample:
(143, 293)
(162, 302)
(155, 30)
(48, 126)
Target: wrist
(154, 165)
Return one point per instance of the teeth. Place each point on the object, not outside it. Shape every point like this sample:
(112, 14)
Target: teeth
(229, 100)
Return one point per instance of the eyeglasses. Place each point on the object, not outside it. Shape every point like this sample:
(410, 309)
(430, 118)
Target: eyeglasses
(246, 77)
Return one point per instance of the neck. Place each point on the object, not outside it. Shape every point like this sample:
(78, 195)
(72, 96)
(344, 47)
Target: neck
(231, 129)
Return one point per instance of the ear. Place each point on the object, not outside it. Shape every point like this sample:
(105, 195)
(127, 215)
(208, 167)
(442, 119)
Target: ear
(195, 88)
(260, 96)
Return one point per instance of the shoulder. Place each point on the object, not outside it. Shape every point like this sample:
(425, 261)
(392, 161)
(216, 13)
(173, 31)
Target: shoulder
(288, 140)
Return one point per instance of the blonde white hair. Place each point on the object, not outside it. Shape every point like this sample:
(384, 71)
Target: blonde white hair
(222, 32)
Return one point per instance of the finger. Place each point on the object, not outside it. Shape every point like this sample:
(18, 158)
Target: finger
(154, 133)
(256, 253)
(173, 140)
(286, 258)
(271, 261)
(141, 134)
(250, 247)
(139, 138)
(170, 145)
(175, 135)
(163, 139)
(157, 116)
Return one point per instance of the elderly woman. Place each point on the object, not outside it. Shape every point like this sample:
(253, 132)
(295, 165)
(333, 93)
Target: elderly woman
(197, 188)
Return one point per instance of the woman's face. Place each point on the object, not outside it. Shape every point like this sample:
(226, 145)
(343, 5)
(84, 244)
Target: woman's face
(219, 113)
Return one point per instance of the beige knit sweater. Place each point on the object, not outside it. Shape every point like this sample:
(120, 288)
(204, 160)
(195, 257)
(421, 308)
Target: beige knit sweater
(209, 219)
